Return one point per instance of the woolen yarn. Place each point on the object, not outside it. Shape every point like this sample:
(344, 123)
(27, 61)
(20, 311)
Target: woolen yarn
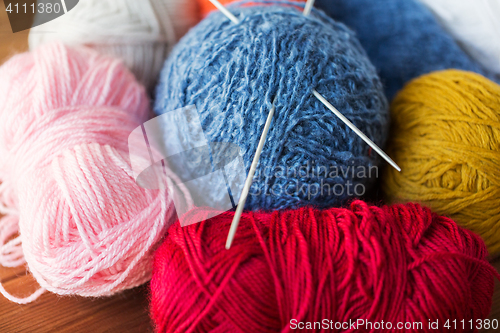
(402, 39)
(67, 190)
(446, 138)
(233, 72)
(398, 263)
(141, 33)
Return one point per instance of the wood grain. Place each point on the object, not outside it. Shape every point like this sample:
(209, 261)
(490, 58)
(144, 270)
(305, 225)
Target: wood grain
(10, 43)
(126, 312)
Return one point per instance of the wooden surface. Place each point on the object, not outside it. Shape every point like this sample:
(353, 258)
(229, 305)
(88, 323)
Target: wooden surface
(127, 312)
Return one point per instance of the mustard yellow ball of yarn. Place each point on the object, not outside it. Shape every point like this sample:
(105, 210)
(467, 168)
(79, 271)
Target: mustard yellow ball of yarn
(446, 138)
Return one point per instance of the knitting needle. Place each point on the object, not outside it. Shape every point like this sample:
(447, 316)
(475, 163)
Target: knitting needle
(356, 130)
(306, 12)
(308, 7)
(225, 11)
(248, 182)
(253, 166)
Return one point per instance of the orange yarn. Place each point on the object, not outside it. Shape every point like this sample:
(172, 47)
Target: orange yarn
(206, 6)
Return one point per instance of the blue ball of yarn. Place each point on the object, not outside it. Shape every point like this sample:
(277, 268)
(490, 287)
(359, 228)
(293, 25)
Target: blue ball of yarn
(402, 38)
(233, 72)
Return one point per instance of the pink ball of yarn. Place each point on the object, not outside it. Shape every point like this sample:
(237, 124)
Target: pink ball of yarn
(67, 188)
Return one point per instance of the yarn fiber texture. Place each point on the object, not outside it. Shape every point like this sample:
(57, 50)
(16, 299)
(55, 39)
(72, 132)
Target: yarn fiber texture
(398, 263)
(446, 138)
(67, 191)
(142, 33)
(233, 72)
(475, 25)
(402, 39)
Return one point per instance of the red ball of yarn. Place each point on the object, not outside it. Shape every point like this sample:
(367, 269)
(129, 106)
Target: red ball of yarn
(398, 263)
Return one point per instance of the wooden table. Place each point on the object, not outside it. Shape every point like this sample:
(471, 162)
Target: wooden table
(127, 312)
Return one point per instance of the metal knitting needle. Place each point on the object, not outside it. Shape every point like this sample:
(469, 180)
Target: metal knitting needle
(306, 12)
(356, 130)
(224, 11)
(253, 166)
(248, 182)
(308, 7)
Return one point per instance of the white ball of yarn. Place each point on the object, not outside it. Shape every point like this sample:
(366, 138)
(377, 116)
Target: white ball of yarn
(141, 32)
(475, 24)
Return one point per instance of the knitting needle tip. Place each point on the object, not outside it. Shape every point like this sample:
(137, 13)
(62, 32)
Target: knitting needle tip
(308, 7)
(356, 130)
(225, 11)
(249, 180)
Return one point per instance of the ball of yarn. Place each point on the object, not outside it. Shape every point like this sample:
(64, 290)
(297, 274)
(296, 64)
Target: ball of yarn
(67, 187)
(398, 263)
(402, 39)
(142, 33)
(233, 72)
(446, 138)
(475, 25)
